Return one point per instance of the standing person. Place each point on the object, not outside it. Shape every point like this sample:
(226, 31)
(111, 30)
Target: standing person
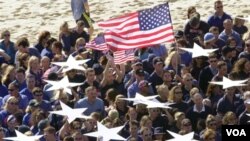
(219, 16)
(80, 10)
(8, 46)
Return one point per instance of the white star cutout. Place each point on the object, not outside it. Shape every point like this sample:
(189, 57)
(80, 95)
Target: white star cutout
(178, 137)
(227, 83)
(106, 134)
(21, 137)
(71, 63)
(72, 114)
(198, 51)
(62, 84)
(139, 99)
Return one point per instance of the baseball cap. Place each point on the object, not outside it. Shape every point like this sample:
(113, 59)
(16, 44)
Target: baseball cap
(143, 83)
(209, 37)
(157, 60)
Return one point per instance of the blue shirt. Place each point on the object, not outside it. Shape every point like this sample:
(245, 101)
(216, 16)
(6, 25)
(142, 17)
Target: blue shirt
(160, 51)
(234, 34)
(3, 91)
(23, 101)
(97, 106)
(47, 52)
(66, 41)
(27, 93)
(11, 51)
(134, 87)
(214, 20)
(77, 8)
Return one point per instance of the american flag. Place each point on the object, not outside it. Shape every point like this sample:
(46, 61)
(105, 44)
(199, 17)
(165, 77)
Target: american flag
(123, 56)
(140, 29)
(98, 44)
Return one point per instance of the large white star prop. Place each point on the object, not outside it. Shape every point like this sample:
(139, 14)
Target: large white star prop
(21, 137)
(71, 63)
(62, 84)
(246, 19)
(72, 114)
(178, 137)
(227, 83)
(198, 51)
(105, 133)
(139, 98)
(156, 104)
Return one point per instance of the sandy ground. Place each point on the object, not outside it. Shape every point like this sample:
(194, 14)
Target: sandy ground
(28, 17)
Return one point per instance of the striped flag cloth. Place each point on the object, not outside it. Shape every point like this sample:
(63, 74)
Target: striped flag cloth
(140, 29)
(98, 44)
(123, 56)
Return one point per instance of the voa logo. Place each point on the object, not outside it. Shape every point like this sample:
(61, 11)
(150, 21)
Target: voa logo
(236, 132)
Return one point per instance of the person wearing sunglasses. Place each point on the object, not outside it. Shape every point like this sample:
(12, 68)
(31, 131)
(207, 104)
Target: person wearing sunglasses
(246, 52)
(7, 46)
(10, 107)
(38, 97)
(13, 90)
(211, 124)
(219, 16)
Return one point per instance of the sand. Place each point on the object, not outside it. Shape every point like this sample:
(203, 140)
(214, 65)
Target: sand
(28, 17)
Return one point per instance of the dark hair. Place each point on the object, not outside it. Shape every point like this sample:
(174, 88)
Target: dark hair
(58, 45)
(50, 41)
(43, 35)
(20, 70)
(220, 64)
(53, 76)
(23, 42)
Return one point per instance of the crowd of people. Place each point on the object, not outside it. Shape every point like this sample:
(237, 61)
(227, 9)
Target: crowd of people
(166, 71)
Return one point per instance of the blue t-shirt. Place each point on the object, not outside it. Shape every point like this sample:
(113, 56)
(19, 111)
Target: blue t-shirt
(77, 7)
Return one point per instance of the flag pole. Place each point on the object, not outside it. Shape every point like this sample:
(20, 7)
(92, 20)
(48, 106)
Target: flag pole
(175, 41)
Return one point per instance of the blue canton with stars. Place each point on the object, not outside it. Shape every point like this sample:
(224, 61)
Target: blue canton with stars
(154, 17)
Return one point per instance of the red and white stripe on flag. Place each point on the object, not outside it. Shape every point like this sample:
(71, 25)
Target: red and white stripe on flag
(140, 29)
(123, 56)
(94, 46)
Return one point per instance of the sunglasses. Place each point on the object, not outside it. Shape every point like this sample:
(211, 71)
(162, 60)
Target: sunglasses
(189, 79)
(11, 90)
(148, 135)
(38, 94)
(212, 124)
(187, 124)
(6, 35)
(219, 7)
(213, 61)
(13, 103)
(178, 92)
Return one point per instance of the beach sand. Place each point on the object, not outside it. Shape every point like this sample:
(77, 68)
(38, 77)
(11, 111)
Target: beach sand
(28, 17)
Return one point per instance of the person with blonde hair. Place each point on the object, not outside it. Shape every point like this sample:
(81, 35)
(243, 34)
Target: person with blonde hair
(173, 62)
(209, 135)
(65, 37)
(8, 75)
(163, 92)
(35, 70)
(229, 118)
(10, 107)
